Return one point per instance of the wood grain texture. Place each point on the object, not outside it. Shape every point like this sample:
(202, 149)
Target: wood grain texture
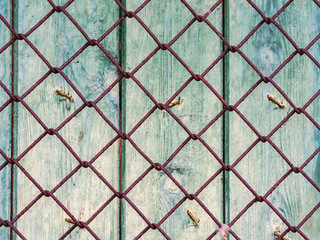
(49, 161)
(298, 138)
(160, 135)
(5, 119)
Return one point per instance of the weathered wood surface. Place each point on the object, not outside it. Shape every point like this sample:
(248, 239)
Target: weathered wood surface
(49, 161)
(5, 119)
(160, 135)
(298, 138)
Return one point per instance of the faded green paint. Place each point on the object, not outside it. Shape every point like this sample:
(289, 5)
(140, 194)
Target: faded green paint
(295, 197)
(49, 161)
(5, 119)
(160, 135)
(226, 153)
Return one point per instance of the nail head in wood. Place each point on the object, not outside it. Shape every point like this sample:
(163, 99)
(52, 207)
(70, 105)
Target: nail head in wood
(61, 93)
(194, 219)
(278, 234)
(272, 99)
(174, 103)
(69, 220)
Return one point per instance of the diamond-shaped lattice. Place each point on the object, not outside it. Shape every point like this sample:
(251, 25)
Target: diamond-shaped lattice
(189, 62)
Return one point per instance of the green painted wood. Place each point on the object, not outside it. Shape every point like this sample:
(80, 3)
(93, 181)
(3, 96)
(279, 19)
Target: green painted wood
(49, 161)
(5, 119)
(298, 138)
(159, 136)
(226, 145)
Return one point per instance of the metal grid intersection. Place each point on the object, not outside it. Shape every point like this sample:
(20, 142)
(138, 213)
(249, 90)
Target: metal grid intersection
(129, 76)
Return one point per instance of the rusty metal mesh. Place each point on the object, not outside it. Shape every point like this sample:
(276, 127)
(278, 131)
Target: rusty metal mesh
(164, 107)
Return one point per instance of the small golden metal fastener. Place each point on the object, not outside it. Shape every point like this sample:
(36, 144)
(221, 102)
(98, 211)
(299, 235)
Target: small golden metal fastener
(194, 219)
(61, 93)
(174, 103)
(69, 220)
(278, 234)
(272, 99)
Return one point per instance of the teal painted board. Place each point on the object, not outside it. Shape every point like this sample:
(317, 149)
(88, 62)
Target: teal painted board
(298, 138)
(160, 135)
(5, 119)
(49, 161)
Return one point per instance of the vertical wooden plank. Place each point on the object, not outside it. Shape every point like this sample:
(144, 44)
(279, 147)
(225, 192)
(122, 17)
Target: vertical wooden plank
(160, 135)
(262, 167)
(87, 133)
(5, 118)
